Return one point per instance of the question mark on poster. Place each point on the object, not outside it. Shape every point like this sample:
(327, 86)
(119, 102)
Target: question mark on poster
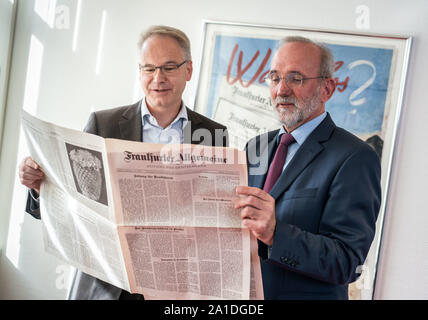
(365, 85)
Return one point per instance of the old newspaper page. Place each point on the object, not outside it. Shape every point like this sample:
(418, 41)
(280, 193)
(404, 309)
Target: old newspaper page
(75, 200)
(151, 219)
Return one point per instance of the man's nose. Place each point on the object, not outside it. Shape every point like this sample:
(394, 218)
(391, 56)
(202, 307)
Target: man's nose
(158, 75)
(283, 89)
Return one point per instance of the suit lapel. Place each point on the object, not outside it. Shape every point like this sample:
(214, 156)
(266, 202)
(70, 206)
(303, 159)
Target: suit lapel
(130, 125)
(305, 155)
(192, 125)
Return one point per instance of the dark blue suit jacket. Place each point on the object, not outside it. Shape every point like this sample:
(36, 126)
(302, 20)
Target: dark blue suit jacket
(327, 201)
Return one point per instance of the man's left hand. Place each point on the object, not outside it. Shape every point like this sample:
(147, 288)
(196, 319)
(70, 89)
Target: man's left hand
(257, 212)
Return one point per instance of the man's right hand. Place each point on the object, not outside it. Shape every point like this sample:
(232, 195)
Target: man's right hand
(30, 174)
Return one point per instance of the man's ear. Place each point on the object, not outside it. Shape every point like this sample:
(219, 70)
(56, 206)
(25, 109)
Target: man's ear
(327, 89)
(139, 72)
(189, 68)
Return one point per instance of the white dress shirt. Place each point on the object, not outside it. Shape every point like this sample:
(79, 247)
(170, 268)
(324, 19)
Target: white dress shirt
(154, 133)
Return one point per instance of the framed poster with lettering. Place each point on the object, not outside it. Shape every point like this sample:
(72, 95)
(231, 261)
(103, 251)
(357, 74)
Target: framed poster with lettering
(370, 74)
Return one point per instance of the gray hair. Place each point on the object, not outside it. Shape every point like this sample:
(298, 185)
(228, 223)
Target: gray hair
(327, 60)
(180, 36)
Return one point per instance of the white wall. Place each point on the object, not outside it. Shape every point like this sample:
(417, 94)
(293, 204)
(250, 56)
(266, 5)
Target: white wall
(6, 32)
(69, 88)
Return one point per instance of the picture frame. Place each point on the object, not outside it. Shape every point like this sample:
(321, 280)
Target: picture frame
(370, 75)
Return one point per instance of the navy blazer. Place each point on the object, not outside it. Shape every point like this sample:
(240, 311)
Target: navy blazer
(326, 204)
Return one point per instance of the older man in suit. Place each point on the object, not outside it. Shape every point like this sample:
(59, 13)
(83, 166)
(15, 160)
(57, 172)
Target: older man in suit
(161, 117)
(314, 189)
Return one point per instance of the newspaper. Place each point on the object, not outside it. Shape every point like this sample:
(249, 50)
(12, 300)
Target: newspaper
(149, 218)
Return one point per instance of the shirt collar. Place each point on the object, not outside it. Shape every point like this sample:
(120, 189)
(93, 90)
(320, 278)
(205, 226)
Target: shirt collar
(146, 116)
(301, 133)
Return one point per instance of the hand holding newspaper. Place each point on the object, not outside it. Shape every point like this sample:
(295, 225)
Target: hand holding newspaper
(149, 218)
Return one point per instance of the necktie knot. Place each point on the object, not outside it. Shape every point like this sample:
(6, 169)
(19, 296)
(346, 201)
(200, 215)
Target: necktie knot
(287, 139)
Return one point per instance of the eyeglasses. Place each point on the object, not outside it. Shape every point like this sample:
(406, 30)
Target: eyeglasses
(168, 68)
(292, 80)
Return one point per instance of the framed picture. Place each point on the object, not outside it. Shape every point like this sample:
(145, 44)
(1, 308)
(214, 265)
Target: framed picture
(370, 74)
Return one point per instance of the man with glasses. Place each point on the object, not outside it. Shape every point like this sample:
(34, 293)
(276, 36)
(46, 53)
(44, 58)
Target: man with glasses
(162, 117)
(314, 189)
